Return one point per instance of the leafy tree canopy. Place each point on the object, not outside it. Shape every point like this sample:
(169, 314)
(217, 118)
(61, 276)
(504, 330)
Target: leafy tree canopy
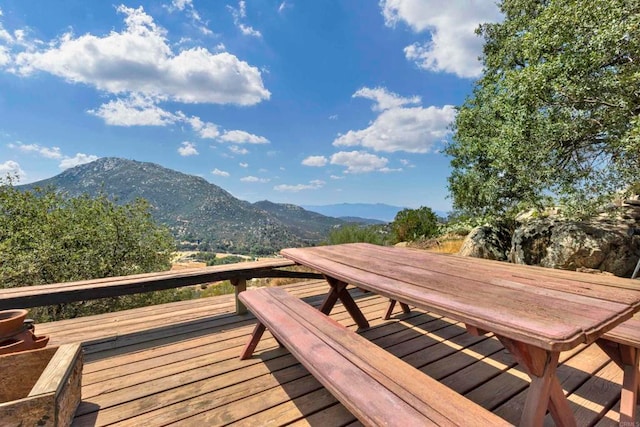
(555, 118)
(413, 224)
(48, 238)
(355, 233)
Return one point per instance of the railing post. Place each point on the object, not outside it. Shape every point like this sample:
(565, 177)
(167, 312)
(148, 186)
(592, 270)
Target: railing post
(239, 285)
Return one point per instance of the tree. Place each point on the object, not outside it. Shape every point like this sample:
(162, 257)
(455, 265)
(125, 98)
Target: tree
(355, 233)
(48, 238)
(555, 118)
(413, 224)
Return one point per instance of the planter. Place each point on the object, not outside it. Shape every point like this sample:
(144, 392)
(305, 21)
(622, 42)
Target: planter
(41, 387)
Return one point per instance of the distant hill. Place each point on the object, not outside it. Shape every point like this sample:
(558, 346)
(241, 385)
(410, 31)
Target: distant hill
(363, 221)
(375, 211)
(310, 225)
(194, 209)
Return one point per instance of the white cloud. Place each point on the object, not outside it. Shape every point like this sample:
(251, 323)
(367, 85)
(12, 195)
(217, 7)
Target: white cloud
(384, 99)
(333, 117)
(317, 161)
(254, 179)
(48, 152)
(238, 150)
(313, 185)
(5, 57)
(206, 130)
(359, 162)
(187, 7)
(244, 165)
(242, 137)
(135, 110)
(248, 30)
(239, 15)
(13, 169)
(139, 60)
(66, 162)
(187, 149)
(78, 159)
(218, 172)
(336, 177)
(414, 129)
(453, 47)
(282, 6)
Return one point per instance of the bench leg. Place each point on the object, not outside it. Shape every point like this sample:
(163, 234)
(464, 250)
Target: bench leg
(392, 304)
(627, 358)
(253, 342)
(545, 391)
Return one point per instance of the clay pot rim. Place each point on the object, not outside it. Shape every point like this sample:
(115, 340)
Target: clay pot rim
(8, 315)
(11, 321)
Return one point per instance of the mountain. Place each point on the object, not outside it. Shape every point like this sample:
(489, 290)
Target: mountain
(376, 211)
(310, 225)
(194, 209)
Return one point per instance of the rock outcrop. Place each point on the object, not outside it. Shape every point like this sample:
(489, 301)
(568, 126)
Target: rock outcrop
(489, 242)
(605, 244)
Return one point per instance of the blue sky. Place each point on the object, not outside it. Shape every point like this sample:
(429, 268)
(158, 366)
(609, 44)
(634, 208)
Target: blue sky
(305, 102)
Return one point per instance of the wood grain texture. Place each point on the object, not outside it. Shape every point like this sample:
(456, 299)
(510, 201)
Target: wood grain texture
(377, 387)
(554, 311)
(152, 381)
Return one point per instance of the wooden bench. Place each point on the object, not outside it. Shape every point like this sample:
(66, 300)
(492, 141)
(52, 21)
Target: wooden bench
(377, 387)
(58, 293)
(622, 344)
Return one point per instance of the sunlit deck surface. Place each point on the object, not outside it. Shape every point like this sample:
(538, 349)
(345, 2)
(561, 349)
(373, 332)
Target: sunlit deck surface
(178, 363)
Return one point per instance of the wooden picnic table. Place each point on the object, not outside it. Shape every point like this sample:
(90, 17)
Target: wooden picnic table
(535, 312)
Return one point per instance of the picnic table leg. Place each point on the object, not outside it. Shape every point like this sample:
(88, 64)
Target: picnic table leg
(339, 291)
(392, 304)
(545, 391)
(627, 358)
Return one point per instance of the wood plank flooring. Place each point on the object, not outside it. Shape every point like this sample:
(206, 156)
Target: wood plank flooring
(178, 364)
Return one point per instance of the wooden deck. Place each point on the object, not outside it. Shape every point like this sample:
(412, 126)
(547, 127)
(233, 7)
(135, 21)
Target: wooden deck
(178, 364)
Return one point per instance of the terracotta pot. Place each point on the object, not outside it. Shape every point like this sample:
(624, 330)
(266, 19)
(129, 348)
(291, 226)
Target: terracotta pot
(11, 321)
(25, 340)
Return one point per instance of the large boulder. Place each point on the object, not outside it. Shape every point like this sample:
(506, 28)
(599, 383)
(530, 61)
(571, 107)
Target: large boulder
(489, 242)
(606, 243)
(603, 245)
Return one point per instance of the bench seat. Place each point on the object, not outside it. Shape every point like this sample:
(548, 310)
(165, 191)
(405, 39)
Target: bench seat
(377, 387)
(627, 333)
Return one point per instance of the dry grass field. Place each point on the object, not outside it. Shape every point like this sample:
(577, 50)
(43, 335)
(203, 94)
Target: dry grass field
(448, 244)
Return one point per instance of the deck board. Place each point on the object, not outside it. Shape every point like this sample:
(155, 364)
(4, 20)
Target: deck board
(178, 364)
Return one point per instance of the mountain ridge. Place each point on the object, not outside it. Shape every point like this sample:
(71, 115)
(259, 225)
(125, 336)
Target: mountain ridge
(194, 209)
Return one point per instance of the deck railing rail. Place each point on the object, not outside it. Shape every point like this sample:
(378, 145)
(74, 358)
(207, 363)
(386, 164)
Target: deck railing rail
(237, 274)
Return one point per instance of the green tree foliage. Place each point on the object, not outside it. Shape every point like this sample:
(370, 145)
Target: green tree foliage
(48, 238)
(354, 233)
(556, 115)
(414, 224)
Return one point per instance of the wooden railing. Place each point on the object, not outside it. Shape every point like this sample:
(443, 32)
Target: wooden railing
(237, 274)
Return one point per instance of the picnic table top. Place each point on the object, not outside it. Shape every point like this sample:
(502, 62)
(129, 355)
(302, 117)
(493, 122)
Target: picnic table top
(550, 309)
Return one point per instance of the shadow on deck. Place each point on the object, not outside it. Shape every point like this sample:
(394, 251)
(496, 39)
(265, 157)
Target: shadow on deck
(178, 363)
